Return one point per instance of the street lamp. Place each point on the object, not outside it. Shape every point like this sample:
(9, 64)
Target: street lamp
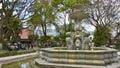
(0, 5)
(0, 10)
(0, 21)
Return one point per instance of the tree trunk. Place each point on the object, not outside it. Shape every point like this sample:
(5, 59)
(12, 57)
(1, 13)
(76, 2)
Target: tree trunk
(44, 32)
(65, 29)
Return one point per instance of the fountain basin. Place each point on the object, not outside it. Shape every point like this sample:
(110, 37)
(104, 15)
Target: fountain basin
(60, 55)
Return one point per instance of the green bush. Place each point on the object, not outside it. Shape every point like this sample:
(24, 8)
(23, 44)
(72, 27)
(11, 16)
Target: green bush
(102, 35)
(47, 38)
(12, 53)
(4, 44)
(99, 48)
(4, 53)
(33, 37)
(117, 46)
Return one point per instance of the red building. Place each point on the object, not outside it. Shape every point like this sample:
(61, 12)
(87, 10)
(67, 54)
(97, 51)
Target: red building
(24, 36)
(24, 33)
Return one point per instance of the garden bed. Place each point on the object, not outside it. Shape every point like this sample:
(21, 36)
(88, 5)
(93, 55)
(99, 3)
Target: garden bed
(12, 53)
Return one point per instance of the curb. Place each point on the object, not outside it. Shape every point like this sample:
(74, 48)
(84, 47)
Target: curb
(9, 59)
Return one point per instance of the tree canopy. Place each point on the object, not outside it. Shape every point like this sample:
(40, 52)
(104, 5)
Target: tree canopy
(102, 14)
(42, 14)
(13, 14)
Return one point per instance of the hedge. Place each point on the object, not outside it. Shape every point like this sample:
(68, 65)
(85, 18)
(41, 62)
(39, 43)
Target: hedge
(12, 53)
(118, 46)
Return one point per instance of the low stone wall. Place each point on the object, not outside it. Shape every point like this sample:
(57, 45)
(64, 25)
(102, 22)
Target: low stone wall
(6, 60)
(79, 57)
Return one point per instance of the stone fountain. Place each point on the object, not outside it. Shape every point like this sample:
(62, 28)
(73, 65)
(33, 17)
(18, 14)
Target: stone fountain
(77, 40)
(79, 53)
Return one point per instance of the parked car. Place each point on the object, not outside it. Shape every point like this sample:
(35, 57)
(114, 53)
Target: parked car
(111, 46)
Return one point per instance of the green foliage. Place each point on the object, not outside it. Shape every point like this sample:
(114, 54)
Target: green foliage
(68, 27)
(117, 46)
(15, 24)
(63, 38)
(16, 38)
(11, 53)
(13, 28)
(11, 16)
(56, 40)
(45, 38)
(43, 14)
(4, 44)
(67, 4)
(66, 7)
(56, 3)
(33, 37)
(99, 48)
(102, 35)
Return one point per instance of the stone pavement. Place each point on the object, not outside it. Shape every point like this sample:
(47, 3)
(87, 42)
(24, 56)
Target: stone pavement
(9, 59)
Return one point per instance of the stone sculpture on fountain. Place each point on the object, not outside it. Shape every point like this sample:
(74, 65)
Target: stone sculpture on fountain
(77, 41)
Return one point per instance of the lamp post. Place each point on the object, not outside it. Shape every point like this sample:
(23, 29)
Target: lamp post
(0, 25)
(0, 22)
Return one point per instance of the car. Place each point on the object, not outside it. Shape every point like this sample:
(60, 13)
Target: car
(112, 46)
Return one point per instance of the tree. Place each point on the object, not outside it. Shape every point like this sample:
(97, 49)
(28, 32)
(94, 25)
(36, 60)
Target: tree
(102, 14)
(11, 10)
(116, 29)
(33, 38)
(64, 8)
(61, 31)
(42, 14)
(102, 35)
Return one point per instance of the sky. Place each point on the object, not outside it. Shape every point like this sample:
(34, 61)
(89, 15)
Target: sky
(89, 27)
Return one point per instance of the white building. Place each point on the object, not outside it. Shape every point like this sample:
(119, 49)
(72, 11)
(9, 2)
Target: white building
(49, 32)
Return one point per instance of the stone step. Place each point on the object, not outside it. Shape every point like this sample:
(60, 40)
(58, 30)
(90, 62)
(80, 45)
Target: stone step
(44, 64)
(80, 61)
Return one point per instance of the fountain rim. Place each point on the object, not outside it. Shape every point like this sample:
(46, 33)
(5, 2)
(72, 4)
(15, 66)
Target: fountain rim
(57, 49)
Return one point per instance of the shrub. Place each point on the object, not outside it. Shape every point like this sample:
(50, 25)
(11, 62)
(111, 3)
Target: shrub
(12, 53)
(4, 44)
(33, 37)
(4, 53)
(43, 38)
(117, 46)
